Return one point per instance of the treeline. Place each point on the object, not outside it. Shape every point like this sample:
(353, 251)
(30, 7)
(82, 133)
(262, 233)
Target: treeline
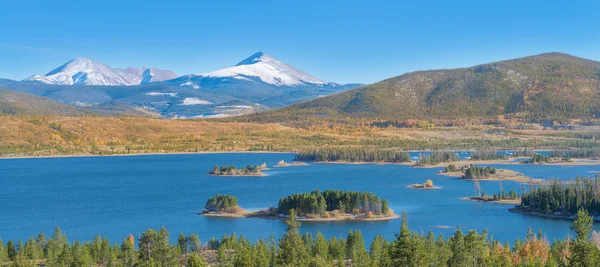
(221, 203)
(576, 153)
(487, 155)
(472, 172)
(317, 202)
(564, 198)
(502, 195)
(538, 158)
(437, 157)
(408, 248)
(232, 170)
(352, 155)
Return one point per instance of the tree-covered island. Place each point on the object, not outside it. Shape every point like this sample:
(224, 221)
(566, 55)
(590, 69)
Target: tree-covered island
(231, 170)
(328, 205)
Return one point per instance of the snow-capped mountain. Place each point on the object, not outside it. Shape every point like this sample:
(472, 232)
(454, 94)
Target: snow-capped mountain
(258, 69)
(84, 71)
(257, 83)
(267, 69)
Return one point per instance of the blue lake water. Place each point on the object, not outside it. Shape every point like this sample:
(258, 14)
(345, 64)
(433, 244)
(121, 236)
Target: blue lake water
(118, 196)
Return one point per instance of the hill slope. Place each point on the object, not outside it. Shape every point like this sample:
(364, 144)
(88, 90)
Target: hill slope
(12, 102)
(551, 85)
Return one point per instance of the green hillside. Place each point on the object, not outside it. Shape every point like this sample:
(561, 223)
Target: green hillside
(546, 86)
(14, 103)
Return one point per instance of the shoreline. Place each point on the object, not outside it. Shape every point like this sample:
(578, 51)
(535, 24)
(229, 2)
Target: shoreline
(510, 161)
(548, 216)
(507, 201)
(501, 175)
(143, 154)
(264, 214)
(239, 175)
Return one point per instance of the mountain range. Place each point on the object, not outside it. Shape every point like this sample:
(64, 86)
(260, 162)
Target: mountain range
(257, 83)
(540, 87)
(84, 71)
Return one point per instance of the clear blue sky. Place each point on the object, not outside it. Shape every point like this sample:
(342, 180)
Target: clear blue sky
(341, 41)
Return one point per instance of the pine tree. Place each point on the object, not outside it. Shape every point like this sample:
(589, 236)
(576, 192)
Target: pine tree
(292, 251)
(196, 260)
(585, 253)
(3, 252)
(405, 251)
(460, 256)
(11, 250)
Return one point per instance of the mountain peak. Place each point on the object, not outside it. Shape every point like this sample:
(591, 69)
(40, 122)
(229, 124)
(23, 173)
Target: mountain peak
(255, 58)
(267, 69)
(84, 71)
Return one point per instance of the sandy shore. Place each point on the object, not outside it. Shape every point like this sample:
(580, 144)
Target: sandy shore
(501, 175)
(239, 175)
(506, 201)
(269, 215)
(291, 164)
(421, 187)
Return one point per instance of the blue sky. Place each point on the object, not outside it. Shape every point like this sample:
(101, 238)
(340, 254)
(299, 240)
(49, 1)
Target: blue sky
(341, 41)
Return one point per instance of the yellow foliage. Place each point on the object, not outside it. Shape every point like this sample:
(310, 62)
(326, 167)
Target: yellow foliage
(533, 251)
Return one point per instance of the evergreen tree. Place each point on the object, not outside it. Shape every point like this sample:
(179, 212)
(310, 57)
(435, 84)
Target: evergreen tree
(292, 251)
(379, 252)
(585, 253)
(404, 250)
(3, 253)
(194, 243)
(128, 253)
(460, 256)
(182, 242)
(11, 250)
(195, 260)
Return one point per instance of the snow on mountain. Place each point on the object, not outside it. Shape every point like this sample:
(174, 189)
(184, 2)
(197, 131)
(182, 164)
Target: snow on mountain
(83, 71)
(267, 69)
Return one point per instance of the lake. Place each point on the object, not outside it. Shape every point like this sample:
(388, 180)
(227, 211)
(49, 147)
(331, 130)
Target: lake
(122, 195)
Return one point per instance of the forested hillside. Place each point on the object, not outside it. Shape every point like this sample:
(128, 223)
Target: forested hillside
(12, 102)
(546, 86)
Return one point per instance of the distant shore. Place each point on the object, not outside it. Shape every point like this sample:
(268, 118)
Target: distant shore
(143, 154)
(510, 161)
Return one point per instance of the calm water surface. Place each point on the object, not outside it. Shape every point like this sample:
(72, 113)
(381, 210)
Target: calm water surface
(118, 196)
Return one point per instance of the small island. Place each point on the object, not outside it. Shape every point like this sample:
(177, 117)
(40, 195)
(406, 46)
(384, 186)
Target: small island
(512, 197)
(328, 205)
(427, 185)
(223, 206)
(471, 172)
(250, 170)
(282, 163)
